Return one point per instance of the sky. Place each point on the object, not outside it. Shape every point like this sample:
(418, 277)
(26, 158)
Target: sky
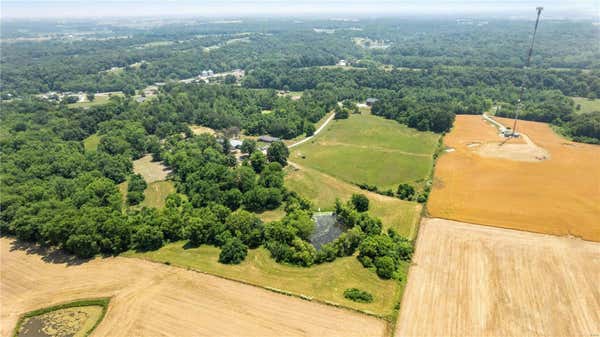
(589, 9)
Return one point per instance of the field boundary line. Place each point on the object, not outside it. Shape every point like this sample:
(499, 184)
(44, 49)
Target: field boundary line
(380, 148)
(471, 223)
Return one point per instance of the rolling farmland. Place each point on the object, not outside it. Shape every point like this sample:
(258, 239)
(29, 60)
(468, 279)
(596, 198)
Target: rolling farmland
(557, 195)
(469, 280)
(155, 299)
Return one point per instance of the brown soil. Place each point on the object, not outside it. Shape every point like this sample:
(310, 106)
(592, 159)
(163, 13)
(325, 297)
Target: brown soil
(558, 195)
(151, 299)
(470, 280)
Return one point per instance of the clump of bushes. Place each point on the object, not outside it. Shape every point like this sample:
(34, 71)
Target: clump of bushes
(135, 189)
(358, 295)
(233, 251)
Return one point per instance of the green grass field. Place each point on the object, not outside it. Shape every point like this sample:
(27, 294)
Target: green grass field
(369, 149)
(587, 105)
(99, 100)
(156, 193)
(322, 190)
(325, 282)
(91, 143)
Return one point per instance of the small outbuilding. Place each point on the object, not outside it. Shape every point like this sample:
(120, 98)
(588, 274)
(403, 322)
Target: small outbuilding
(235, 143)
(268, 139)
(370, 101)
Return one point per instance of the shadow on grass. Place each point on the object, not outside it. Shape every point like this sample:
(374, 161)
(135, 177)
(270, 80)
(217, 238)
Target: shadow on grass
(48, 254)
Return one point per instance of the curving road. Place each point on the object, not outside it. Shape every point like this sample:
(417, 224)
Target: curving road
(314, 134)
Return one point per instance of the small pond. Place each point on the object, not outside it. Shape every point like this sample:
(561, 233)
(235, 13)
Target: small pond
(327, 229)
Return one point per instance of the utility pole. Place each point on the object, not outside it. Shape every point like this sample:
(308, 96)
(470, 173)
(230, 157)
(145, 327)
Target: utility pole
(522, 91)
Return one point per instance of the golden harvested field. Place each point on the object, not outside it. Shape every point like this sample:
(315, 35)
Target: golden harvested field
(151, 299)
(558, 195)
(470, 280)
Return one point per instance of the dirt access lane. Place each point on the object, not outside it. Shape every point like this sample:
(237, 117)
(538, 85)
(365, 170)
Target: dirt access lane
(151, 299)
(470, 280)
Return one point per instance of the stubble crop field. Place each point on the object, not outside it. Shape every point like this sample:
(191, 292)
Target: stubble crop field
(151, 299)
(470, 280)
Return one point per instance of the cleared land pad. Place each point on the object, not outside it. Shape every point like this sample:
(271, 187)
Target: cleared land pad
(558, 195)
(470, 280)
(151, 170)
(151, 299)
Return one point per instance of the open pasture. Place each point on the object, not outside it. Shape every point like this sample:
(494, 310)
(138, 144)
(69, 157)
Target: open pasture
(558, 195)
(587, 105)
(152, 299)
(322, 190)
(369, 149)
(324, 282)
(470, 280)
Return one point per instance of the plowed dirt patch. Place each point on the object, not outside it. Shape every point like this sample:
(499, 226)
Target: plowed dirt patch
(557, 195)
(470, 280)
(151, 299)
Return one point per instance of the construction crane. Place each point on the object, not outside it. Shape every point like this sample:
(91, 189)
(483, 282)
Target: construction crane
(522, 90)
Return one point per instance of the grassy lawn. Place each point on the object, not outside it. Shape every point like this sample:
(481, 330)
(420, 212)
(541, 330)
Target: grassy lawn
(156, 193)
(325, 282)
(91, 143)
(323, 189)
(273, 215)
(587, 105)
(369, 149)
(99, 100)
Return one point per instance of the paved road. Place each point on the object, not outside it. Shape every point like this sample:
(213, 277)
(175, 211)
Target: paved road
(316, 132)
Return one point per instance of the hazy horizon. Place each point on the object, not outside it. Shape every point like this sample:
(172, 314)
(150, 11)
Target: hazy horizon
(47, 9)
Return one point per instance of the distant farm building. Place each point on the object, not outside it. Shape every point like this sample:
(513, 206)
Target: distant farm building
(370, 101)
(235, 143)
(268, 139)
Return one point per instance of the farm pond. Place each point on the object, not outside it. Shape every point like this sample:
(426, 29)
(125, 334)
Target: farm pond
(327, 229)
(68, 322)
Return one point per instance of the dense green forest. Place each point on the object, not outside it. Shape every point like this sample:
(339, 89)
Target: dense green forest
(80, 53)
(422, 73)
(56, 193)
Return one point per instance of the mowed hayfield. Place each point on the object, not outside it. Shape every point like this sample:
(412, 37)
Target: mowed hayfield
(156, 193)
(587, 105)
(559, 195)
(322, 190)
(470, 280)
(151, 299)
(369, 149)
